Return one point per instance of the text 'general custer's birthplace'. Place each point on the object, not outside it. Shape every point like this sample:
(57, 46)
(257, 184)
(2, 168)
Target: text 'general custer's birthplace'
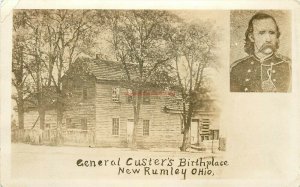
(159, 166)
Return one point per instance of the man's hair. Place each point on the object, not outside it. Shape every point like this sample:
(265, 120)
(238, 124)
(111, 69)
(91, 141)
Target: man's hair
(249, 45)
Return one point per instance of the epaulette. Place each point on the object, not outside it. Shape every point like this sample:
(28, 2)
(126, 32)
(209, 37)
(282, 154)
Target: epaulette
(238, 61)
(283, 58)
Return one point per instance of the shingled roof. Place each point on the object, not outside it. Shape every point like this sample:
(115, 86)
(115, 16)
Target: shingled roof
(174, 103)
(109, 70)
(114, 71)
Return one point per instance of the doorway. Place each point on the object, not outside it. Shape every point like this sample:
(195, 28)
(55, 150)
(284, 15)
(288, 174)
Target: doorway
(194, 132)
(130, 125)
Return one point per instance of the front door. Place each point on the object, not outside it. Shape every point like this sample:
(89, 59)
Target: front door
(130, 125)
(194, 131)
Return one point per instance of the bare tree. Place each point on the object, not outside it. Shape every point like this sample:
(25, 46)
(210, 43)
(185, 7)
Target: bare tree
(26, 59)
(192, 46)
(19, 71)
(68, 35)
(139, 42)
(54, 40)
(32, 55)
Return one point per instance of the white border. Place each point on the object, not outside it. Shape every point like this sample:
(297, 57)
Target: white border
(5, 76)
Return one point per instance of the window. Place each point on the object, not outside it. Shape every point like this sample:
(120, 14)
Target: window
(205, 132)
(129, 96)
(204, 138)
(115, 126)
(146, 97)
(83, 123)
(115, 94)
(69, 123)
(84, 93)
(205, 126)
(146, 127)
(214, 134)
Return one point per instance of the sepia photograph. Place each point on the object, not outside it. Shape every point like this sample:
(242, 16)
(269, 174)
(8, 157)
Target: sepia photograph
(264, 68)
(135, 82)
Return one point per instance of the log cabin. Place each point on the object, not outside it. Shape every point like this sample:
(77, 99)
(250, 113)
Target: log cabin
(98, 112)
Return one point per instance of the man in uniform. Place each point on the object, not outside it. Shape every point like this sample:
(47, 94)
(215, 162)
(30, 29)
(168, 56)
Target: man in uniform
(263, 70)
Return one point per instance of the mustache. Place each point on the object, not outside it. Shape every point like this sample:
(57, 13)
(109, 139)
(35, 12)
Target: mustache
(267, 45)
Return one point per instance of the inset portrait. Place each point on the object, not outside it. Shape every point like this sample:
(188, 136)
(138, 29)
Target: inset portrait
(260, 51)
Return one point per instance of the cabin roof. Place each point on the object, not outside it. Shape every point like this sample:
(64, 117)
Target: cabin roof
(115, 71)
(109, 70)
(174, 103)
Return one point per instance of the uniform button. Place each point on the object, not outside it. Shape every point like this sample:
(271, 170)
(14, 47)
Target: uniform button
(249, 70)
(247, 80)
(252, 63)
(274, 80)
(246, 89)
(273, 71)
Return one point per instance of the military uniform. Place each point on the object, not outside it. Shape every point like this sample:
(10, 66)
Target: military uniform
(251, 74)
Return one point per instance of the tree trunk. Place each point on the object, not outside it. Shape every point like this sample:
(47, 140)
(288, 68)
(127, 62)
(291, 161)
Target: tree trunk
(134, 133)
(20, 106)
(59, 134)
(19, 86)
(185, 139)
(59, 99)
(136, 114)
(186, 132)
(42, 114)
(59, 112)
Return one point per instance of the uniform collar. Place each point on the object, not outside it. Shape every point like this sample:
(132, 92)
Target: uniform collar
(265, 61)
